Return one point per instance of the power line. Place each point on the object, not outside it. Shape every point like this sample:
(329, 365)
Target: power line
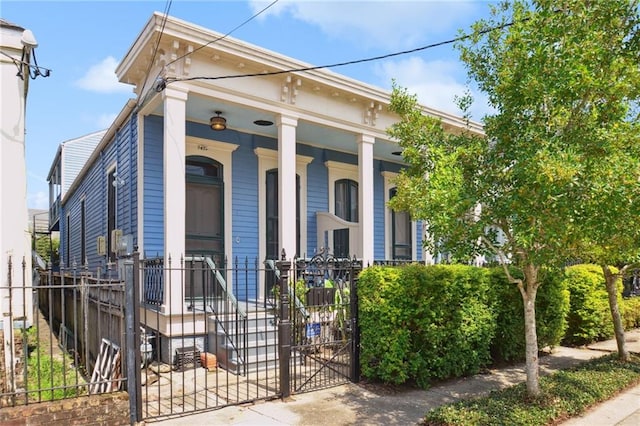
(167, 7)
(227, 34)
(341, 64)
(162, 84)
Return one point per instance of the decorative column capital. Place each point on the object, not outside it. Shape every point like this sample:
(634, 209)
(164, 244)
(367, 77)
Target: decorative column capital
(368, 139)
(286, 120)
(175, 91)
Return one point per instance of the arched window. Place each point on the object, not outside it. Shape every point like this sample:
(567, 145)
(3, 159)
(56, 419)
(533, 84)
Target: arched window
(401, 244)
(346, 199)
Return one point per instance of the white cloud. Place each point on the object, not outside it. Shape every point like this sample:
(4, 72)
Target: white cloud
(387, 24)
(102, 78)
(435, 83)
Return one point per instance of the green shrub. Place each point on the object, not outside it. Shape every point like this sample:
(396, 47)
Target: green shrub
(552, 306)
(589, 316)
(631, 312)
(453, 324)
(424, 322)
(383, 318)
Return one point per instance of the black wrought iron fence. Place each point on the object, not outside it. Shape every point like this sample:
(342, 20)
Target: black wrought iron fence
(179, 339)
(63, 336)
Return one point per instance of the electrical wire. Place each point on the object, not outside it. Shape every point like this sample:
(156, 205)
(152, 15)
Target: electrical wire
(167, 7)
(35, 68)
(227, 34)
(353, 62)
(163, 81)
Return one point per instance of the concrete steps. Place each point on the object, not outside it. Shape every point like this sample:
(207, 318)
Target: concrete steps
(247, 345)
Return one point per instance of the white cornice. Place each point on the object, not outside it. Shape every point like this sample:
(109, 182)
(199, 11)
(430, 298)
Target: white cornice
(188, 34)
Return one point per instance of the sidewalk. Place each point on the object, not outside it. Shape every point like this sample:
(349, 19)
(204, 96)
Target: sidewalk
(354, 405)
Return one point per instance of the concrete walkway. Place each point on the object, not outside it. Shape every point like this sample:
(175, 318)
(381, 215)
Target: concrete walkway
(369, 405)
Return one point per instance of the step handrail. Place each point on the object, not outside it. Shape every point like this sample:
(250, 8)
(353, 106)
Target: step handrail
(221, 282)
(239, 310)
(292, 293)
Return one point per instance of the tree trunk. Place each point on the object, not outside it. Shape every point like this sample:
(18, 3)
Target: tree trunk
(610, 280)
(529, 290)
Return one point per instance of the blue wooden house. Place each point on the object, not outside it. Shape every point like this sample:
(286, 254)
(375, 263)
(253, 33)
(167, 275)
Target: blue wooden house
(232, 151)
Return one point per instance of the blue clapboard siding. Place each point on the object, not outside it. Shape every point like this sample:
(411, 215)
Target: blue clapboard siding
(245, 217)
(245, 200)
(317, 198)
(93, 190)
(153, 188)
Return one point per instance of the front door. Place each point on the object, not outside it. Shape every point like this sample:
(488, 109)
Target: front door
(205, 208)
(204, 222)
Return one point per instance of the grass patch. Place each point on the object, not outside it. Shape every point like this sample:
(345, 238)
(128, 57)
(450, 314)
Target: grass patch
(564, 394)
(49, 377)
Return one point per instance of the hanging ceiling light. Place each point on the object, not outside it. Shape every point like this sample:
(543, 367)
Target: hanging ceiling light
(218, 123)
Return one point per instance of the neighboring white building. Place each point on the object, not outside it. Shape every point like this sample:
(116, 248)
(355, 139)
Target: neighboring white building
(16, 48)
(69, 160)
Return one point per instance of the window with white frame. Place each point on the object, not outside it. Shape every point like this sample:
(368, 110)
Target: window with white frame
(400, 230)
(343, 190)
(401, 241)
(346, 199)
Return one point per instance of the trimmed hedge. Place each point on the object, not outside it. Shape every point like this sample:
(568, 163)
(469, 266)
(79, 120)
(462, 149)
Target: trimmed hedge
(631, 312)
(589, 317)
(453, 323)
(423, 323)
(552, 306)
(383, 318)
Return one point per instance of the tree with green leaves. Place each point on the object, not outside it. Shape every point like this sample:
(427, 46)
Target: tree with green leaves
(610, 214)
(561, 82)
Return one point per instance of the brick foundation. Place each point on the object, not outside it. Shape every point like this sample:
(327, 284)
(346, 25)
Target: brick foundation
(104, 409)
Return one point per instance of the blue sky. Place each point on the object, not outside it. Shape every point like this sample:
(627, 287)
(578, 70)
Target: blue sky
(83, 41)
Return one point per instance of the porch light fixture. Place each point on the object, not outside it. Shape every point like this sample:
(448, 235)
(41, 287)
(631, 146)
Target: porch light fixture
(218, 123)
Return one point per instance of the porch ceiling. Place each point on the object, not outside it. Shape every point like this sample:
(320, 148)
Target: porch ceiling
(242, 119)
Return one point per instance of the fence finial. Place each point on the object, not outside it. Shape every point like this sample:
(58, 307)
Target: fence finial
(283, 255)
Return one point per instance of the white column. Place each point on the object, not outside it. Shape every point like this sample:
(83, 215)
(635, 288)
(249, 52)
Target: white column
(287, 184)
(365, 196)
(174, 99)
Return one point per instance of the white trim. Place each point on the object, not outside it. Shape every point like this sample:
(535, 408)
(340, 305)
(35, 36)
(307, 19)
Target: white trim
(388, 234)
(268, 160)
(222, 153)
(173, 178)
(366, 195)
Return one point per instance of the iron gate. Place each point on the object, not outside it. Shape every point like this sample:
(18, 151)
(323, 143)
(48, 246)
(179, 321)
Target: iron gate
(302, 339)
(319, 332)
